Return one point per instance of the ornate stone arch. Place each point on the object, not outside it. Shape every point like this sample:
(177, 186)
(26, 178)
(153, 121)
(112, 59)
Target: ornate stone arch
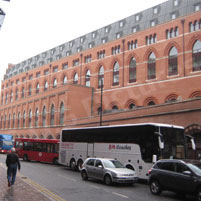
(195, 94)
(169, 46)
(148, 101)
(171, 98)
(149, 51)
(132, 55)
(129, 102)
(192, 41)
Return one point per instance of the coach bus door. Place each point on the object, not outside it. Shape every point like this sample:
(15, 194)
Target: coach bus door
(90, 150)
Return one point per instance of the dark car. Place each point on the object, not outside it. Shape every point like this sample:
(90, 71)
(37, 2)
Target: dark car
(107, 170)
(182, 177)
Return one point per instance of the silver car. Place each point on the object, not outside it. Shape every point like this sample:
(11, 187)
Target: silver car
(108, 170)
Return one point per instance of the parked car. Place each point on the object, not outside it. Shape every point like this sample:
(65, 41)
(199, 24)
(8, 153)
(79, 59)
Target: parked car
(108, 170)
(180, 176)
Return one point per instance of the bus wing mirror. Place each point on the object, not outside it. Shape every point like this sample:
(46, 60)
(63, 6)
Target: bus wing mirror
(193, 144)
(161, 142)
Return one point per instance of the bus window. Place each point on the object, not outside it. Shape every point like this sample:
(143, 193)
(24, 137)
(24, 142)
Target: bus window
(27, 146)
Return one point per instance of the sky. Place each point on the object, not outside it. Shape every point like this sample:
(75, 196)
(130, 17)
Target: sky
(31, 27)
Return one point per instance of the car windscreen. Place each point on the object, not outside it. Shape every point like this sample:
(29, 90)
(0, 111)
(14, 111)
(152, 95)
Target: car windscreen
(112, 164)
(195, 168)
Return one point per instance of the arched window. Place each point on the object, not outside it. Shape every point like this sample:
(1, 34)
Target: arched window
(101, 77)
(131, 106)
(87, 78)
(37, 87)
(18, 119)
(64, 80)
(1, 122)
(30, 117)
(22, 92)
(13, 120)
(151, 66)
(44, 116)
(6, 101)
(45, 86)
(9, 121)
(11, 96)
(114, 108)
(75, 78)
(52, 115)
(116, 74)
(132, 70)
(16, 94)
(172, 62)
(55, 82)
(5, 121)
(61, 119)
(30, 90)
(151, 103)
(24, 119)
(36, 117)
(196, 56)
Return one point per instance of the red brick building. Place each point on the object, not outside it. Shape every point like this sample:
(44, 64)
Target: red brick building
(148, 66)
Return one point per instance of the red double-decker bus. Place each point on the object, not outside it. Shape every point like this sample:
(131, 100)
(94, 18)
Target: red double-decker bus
(43, 150)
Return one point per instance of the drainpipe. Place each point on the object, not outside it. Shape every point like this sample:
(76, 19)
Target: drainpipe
(80, 69)
(123, 49)
(184, 60)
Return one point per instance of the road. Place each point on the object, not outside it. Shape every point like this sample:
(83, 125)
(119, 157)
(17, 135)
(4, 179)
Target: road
(68, 185)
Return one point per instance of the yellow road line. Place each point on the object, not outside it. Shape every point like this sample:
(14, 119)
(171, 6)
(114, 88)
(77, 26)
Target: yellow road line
(37, 186)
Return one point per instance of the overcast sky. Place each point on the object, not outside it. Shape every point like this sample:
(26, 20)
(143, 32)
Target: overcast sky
(33, 26)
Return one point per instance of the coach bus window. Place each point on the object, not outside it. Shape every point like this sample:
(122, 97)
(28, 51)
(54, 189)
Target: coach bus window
(27, 146)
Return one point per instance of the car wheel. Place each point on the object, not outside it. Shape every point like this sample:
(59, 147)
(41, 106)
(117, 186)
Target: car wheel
(108, 180)
(84, 175)
(25, 157)
(79, 165)
(199, 194)
(155, 187)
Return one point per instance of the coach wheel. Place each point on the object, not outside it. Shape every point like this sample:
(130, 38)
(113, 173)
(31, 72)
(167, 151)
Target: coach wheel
(25, 157)
(79, 164)
(73, 165)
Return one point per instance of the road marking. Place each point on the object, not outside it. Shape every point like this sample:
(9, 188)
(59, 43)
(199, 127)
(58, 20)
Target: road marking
(95, 186)
(43, 190)
(39, 188)
(120, 195)
(67, 177)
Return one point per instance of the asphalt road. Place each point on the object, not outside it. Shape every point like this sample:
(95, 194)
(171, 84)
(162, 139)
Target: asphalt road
(68, 185)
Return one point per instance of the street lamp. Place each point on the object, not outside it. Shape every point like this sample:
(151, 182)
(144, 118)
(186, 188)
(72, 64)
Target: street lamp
(101, 97)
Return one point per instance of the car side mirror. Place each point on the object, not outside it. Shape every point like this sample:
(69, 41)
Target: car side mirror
(100, 166)
(187, 172)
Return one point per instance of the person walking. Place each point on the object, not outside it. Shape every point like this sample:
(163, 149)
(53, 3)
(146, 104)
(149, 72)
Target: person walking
(12, 162)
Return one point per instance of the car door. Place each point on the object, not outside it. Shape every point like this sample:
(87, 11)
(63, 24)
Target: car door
(98, 170)
(165, 174)
(182, 181)
(90, 167)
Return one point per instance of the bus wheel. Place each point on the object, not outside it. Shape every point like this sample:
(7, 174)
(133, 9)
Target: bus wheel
(73, 165)
(55, 161)
(107, 180)
(79, 164)
(25, 157)
(84, 175)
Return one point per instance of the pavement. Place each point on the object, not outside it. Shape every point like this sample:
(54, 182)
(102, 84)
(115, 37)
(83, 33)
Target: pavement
(24, 189)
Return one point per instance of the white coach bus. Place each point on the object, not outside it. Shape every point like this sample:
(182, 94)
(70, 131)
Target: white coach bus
(137, 146)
